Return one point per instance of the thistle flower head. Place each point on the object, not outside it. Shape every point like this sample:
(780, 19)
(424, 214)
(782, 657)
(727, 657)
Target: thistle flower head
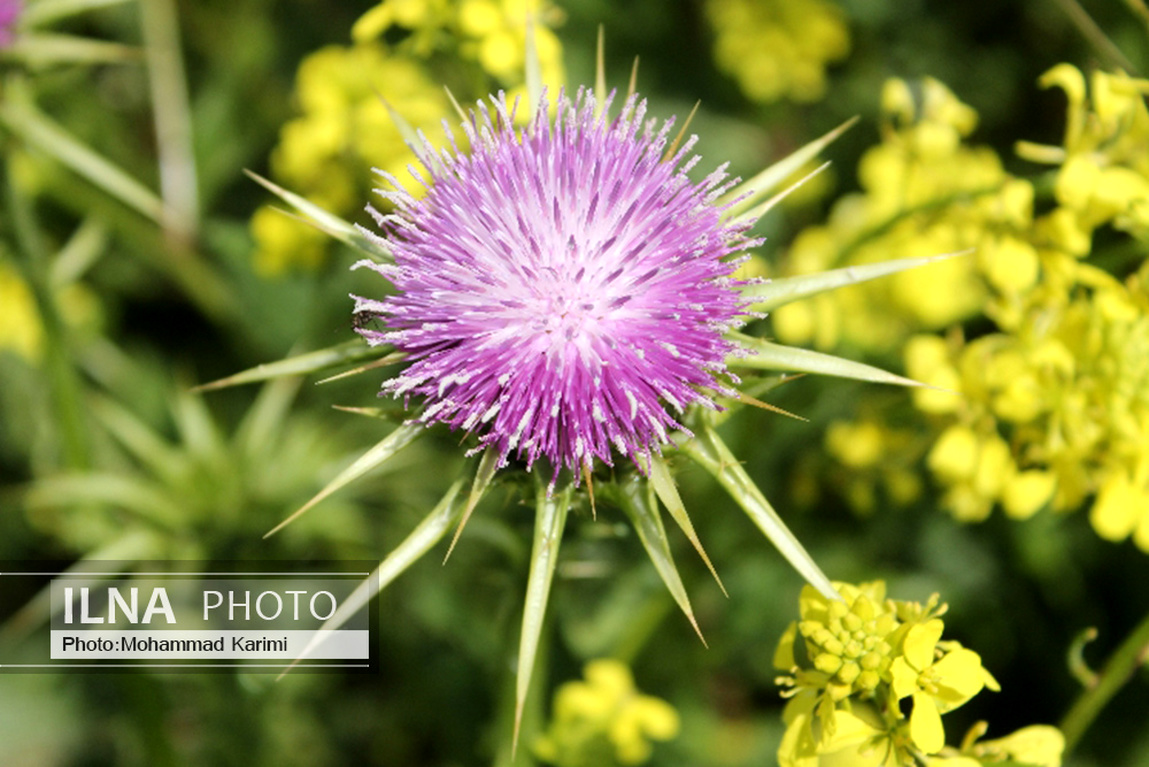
(559, 286)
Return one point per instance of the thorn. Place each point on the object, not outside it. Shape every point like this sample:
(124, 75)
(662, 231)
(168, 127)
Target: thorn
(590, 489)
(472, 502)
(747, 399)
(455, 104)
(487, 467)
(600, 71)
(299, 513)
(694, 623)
(388, 359)
(368, 411)
(681, 132)
(632, 86)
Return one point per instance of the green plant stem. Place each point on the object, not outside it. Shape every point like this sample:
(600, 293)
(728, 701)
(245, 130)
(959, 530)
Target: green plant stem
(178, 183)
(1133, 652)
(63, 381)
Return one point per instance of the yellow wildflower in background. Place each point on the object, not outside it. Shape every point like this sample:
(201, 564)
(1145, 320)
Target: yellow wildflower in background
(1104, 173)
(1054, 409)
(20, 329)
(605, 721)
(327, 153)
(924, 192)
(861, 662)
(872, 462)
(343, 131)
(778, 49)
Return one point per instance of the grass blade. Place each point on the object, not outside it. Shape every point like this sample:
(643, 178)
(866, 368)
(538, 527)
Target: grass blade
(36, 129)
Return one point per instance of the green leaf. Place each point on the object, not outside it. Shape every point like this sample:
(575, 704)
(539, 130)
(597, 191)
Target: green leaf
(44, 49)
(760, 185)
(326, 222)
(664, 487)
(36, 129)
(771, 356)
(709, 451)
(45, 12)
(404, 435)
(145, 445)
(550, 520)
(640, 508)
(95, 488)
(768, 296)
(345, 353)
(428, 533)
(263, 422)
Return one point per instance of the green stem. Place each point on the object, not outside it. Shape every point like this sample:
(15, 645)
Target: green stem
(1122, 664)
(178, 184)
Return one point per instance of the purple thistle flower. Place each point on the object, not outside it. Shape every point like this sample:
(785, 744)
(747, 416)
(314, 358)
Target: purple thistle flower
(10, 11)
(560, 286)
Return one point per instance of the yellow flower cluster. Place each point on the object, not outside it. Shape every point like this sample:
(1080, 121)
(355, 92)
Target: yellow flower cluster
(778, 48)
(865, 660)
(605, 721)
(489, 32)
(326, 153)
(924, 191)
(343, 130)
(1055, 405)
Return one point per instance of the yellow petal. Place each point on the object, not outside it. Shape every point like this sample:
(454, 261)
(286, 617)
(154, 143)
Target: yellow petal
(954, 456)
(784, 655)
(1118, 508)
(926, 728)
(960, 676)
(920, 642)
(1027, 492)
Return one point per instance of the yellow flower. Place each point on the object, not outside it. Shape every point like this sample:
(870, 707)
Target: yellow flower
(20, 328)
(605, 720)
(860, 657)
(778, 49)
(937, 681)
(1040, 745)
(925, 191)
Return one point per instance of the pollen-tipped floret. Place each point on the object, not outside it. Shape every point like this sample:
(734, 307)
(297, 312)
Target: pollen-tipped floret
(560, 285)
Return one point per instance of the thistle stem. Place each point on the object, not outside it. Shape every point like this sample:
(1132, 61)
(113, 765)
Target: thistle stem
(1122, 664)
